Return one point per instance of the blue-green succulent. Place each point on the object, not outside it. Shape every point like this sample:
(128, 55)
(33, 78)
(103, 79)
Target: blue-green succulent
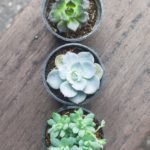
(76, 75)
(75, 131)
(69, 14)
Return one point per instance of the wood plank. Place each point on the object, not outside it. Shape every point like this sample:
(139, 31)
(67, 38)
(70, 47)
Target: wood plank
(123, 45)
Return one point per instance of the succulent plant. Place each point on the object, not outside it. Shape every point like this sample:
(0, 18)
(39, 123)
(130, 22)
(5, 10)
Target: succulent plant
(69, 14)
(75, 131)
(76, 75)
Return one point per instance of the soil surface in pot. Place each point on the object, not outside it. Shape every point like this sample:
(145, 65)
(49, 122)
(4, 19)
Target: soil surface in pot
(51, 65)
(84, 30)
(99, 133)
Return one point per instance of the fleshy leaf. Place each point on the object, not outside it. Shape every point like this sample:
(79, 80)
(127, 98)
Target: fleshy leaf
(84, 17)
(56, 117)
(75, 148)
(67, 90)
(63, 72)
(80, 97)
(53, 79)
(53, 16)
(70, 58)
(51, 122)
(74, 73)
(88, 70)
(75, 130)
(73, 25)
(99, 70)
(92, 85)
(76, 67)
(59, 61)
(91, 115)
(102, 142)
(68, 141)
(62, 133)
(86, 4)
(86, 56)
(55, 142)
(62, 26)
(79, 86)
(103, 123)
(71, 4)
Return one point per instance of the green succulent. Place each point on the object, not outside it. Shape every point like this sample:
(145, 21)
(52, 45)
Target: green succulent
(69, 14)
(75, 131)
(76, 75)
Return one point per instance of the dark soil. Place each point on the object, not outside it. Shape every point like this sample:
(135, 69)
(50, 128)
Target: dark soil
(85, 28)
(99, 133)
(51, 65)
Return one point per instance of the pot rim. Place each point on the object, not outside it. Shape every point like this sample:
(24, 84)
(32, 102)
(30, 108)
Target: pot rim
(95, 28)
(44, 74)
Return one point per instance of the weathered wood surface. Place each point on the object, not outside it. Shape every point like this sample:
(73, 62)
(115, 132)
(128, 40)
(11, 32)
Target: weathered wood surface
(123, 43)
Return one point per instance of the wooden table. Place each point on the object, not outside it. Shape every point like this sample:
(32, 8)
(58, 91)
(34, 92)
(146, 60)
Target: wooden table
(123, 43)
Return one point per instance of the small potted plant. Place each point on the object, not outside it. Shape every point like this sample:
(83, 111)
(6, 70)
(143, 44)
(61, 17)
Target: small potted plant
(72, 20)
(73, 74)
(74, 128)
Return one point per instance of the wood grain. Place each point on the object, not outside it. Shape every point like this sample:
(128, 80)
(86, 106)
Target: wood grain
(124, 102)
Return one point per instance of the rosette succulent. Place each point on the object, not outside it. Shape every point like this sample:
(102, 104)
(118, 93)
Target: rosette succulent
(75, 75)
(69, 14)
(75, 131)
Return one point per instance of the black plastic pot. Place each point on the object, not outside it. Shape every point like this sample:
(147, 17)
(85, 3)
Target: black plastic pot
(56, 93)
(70, 109)
(94, 30)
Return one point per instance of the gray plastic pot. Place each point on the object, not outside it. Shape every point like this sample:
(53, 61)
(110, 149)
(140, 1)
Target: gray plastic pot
(95, 28)
(70, 109)
(47, 64)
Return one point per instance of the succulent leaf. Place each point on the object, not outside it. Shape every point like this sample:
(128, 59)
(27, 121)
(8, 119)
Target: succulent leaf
(55, 142)
(88, 69)
(54, 17)
(59, 61)
(56, 117)
(51, 122)
(74, 73)
(86, 4)
(80, 86)
(53, 79)
(99, 70)
(80, 97)
(63, 72)
(76, 67)
(62, 26)
(86, 56)
(67, 90)
(73, 25)
(69, 14)
(84, 17)
(92, 85)
(70, 58)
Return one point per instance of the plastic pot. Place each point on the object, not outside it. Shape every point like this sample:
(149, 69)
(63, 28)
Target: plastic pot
(96, 27)
(56, 94)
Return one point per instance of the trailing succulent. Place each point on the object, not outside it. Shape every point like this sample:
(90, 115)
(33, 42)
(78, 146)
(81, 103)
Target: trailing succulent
(75, 131)
(69, 14)
(76, 75)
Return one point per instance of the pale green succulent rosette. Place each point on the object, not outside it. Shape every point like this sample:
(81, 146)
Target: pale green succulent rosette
(75, 132)
(76, 75)
(69, 14)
